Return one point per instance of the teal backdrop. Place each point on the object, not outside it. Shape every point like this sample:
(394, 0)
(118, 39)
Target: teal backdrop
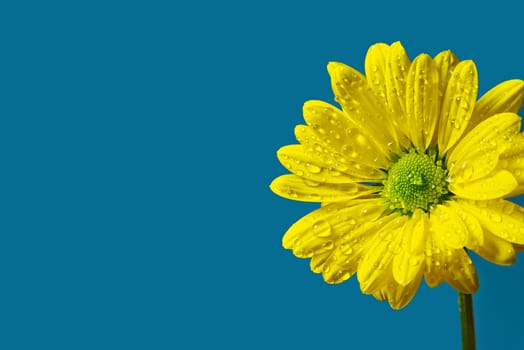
(138, 141)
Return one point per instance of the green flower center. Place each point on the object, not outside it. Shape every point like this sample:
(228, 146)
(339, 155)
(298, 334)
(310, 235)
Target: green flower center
(416, 180)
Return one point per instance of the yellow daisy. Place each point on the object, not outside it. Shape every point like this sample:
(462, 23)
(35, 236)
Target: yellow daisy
(411, 173)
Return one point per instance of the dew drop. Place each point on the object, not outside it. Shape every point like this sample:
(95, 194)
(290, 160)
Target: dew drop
(394, 248)
(414, 260)
(495, 217)
(326, 246)
(350, 221)
(313, 168)
(468, 172)
(321, 228)
(334, 172)
(385, 236)
(346, 249)
(303, 253)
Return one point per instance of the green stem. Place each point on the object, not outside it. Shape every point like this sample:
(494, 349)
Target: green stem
(466, 321)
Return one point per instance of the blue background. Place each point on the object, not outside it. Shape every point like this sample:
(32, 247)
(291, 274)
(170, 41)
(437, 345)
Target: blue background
(138, 141)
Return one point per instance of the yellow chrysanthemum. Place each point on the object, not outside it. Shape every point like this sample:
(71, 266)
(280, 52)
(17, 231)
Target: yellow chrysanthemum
(410, 173)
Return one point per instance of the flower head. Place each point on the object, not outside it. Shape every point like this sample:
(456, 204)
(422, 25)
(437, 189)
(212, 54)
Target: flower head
(411, 173)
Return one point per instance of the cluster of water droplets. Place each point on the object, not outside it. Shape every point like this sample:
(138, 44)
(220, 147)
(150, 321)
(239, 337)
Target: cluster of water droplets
(503, 218)
(336, 141)
(335, 240)
(357, 98)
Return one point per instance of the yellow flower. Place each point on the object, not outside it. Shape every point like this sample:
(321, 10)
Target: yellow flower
(410, 173)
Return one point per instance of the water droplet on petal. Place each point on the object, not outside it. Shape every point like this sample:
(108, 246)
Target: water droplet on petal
(468, 172)
(495, 217)
(313, 168)
(321, 228)
(346, 249)
(414, 260)
(385, 235)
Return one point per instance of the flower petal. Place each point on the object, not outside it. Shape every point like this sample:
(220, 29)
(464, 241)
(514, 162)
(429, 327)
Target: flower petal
(447, 227)
(422, 100)
(444, 263)
(512, 159)
(401, 295)
(458, 104)
(297, 188)
(498, 184)
(349, 251)
(502, 218)
(342, 136)
(397, 295)
(379, 254)
(475, 235)
(359, 102)
(446, 62)
(375, 66)
(434, 272)
(507, 96)
(462, 274)
(408, 262)
(300, 161)
(496, 250)
(337, 163)
(334, 230)
(396, 71)
(476, 155)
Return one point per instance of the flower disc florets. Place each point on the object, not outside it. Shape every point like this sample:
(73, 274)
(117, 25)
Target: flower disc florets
(415, 180)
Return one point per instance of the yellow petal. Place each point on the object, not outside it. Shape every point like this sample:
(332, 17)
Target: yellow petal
(434, 271)
(446, 62)
(498, 184)
(408, 262)
(422, 100)
(507, 96)
(320, 231)
(349, 251)
(375, 66)
(475, 235)
(341, 262)
(297, 188)
(338, 133)
(476, 155)
(512, 160)
(462, 274)
(300, 161)
(447, 227)
(502, 218)
(399, 296)
(458, 104)
(317, 261)
(496, 250)
(359, 102)
(319, 148)
(396, 71)
(379, 254)
(444, 263)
